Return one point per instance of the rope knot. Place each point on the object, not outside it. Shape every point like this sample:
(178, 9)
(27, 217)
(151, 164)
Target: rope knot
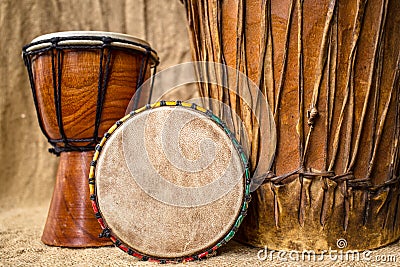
(105, 233)
(106, 40)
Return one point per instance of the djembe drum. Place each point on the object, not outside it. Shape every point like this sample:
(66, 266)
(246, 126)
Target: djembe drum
(169, 182)
(82, 83)
(330, 71)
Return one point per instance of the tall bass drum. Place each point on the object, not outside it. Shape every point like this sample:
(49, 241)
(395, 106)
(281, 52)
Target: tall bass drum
(330, 72)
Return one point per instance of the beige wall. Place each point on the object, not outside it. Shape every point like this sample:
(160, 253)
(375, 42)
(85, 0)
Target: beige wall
(27, 170)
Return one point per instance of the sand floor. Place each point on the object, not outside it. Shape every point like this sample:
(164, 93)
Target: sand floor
(20, 245)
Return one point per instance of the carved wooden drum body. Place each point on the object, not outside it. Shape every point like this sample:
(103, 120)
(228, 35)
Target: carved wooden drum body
(330, 72)
(169, 182)
(82, 83)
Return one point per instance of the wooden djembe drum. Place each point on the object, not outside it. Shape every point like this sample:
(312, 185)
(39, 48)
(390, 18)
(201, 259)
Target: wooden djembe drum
(82, 83)
(330, 72)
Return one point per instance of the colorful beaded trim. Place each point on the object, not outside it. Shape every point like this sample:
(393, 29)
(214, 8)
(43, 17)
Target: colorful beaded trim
(93, 198)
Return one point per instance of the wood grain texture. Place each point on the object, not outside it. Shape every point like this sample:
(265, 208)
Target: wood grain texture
(70, 221)
(79, 96)
(27, 169)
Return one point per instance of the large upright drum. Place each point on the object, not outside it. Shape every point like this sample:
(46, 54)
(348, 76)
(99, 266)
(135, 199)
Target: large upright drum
(82, 83)
(330, 71)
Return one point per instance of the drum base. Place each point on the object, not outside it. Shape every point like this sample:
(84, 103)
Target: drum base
(70, 221)
(328, 217)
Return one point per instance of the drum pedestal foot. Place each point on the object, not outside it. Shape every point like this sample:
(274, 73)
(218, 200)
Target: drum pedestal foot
(71, 221)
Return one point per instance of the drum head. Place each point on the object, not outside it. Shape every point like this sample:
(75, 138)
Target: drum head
(170, 182)
(90, 40)
(68, 34)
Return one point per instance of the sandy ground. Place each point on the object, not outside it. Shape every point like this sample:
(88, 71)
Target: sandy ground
(20, 245)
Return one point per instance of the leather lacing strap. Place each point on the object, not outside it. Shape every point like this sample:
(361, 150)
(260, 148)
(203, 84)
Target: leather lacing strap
(361, 183)
(56, 47)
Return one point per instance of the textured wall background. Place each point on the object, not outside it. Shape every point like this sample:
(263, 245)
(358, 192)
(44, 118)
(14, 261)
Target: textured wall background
(27, 170)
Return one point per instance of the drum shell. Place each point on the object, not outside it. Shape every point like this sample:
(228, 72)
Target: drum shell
(348, 179)
(79, 87)
(81, 83)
